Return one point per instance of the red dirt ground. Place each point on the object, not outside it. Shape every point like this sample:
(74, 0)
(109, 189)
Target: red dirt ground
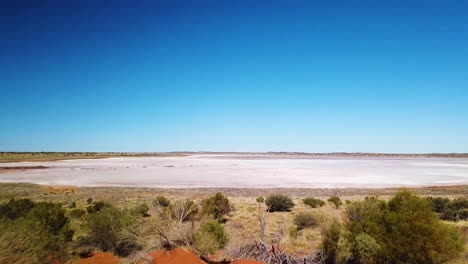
(100, 258)
(176, 256)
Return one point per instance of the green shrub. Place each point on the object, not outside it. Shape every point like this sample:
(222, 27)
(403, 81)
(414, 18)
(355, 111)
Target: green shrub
(89, 200)
(279, 203)
(216, 206)
(260, 199)
(16, 208)
(210, 237)
(162, 201)
(31, 231)
(304, 220)
(405, 228)
(72, 205)
(77, 213)
(439, 203)
(141, 210)
(463, 214)
(365, 249)
(451, 210)
(98, 206)
(336, 201)
(105, 229)
(330, 241)
(313, 202)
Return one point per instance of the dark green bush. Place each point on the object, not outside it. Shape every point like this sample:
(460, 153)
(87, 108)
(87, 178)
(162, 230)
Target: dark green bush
(98, 206)
(210, 237)
(439, 203)
(279, 203)
(77, 213)
(216, 206)
(16, 208)
(105, 229)
(162, 201)
(304, 220)
(463, 214)
(72, 205)
(451, 210)
(330, 241)
(336, 201)
(313, 202)
(260, 199)
(141, 210)
(405, 229)
(89, 200)
(31, 231)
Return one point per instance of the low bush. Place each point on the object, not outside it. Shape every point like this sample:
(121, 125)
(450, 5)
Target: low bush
(210, 237)
(141, 210)
(260, 199)
(89, 200)
(336, 201)
(98, 206)
(32, 231)
(72, 205)
(330, 240)
(77, 213)
(405, 229)
(162, 201)
(313, 202)
(105, 230)
(216, 206)
(279, 203)
(183, 210)
(451, 210)
(365, 249)
(304, 220)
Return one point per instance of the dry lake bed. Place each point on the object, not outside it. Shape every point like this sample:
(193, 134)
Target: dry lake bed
(258, 171)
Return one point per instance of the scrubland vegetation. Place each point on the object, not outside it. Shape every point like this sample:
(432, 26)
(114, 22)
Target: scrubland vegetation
(402, 228)
(50, 156)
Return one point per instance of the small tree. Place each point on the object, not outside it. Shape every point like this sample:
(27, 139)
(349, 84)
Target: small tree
(216, 206)
(313, 202)
(335, 200)
(279, 203)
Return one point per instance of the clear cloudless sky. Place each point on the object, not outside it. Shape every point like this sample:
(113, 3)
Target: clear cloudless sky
(313, 76)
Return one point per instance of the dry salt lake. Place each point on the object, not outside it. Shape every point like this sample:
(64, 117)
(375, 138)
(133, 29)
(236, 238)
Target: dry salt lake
(258, 171)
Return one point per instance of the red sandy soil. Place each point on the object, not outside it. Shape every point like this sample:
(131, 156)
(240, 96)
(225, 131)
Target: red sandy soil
(246, 261)
(100, 258)
(176, 256)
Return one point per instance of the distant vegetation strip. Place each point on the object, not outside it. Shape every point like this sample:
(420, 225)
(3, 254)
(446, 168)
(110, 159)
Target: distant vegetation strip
(52, 156)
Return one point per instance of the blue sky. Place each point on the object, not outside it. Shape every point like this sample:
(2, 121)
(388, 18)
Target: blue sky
(313, 76)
